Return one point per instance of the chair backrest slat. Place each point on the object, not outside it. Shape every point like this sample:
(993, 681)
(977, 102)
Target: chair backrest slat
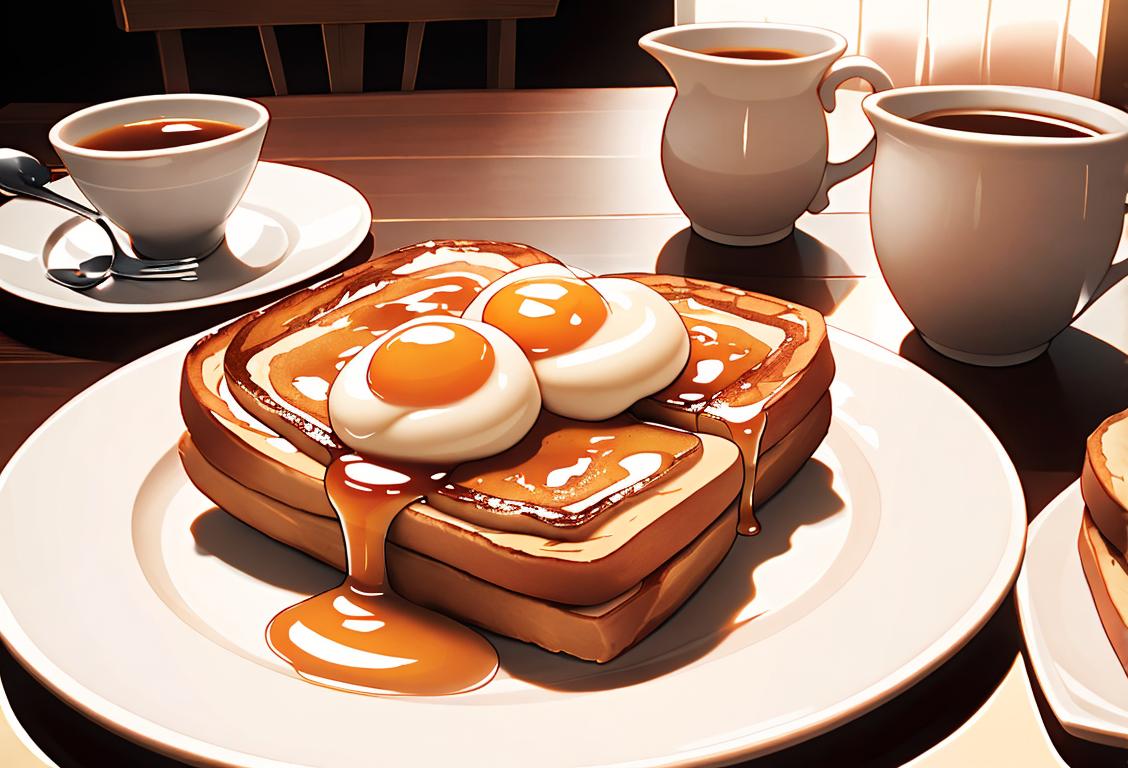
(273, 60)
(344, 56)
(411, 53)
(174, 68)
(501, 56)
(342, 31)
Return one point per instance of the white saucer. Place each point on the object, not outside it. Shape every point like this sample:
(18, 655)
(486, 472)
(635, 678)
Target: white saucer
(1072, 657)
(291, 224)
(132, 598)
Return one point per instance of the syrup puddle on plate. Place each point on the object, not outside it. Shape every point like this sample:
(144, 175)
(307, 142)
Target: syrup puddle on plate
(361, 636)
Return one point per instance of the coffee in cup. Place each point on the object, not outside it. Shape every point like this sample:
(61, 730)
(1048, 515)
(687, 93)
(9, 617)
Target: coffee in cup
(168, 169)
(996, 212)
(157, 133)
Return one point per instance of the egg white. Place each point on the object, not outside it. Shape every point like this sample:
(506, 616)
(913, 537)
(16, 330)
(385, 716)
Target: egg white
(641, 348)
(475, 309)
(489, 420)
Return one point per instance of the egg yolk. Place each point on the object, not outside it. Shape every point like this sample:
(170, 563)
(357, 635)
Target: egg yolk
(547, 316)
(430, 364)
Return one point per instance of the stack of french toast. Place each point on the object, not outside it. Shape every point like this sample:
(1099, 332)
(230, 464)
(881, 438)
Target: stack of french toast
(665, 409)
(1103, 541)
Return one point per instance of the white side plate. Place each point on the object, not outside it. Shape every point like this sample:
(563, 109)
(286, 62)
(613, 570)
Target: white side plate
(130, 597)
(291, 224)
(1073, 660)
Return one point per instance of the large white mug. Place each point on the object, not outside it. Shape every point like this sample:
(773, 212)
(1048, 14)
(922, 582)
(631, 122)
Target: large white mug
(173, 202)
(744, 148)
(992, 244)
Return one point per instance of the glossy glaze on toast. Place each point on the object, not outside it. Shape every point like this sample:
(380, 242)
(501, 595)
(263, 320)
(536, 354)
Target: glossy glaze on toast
(307, 337)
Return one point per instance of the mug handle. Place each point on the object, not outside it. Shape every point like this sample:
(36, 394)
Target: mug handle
(840, 71)
(1117, 271)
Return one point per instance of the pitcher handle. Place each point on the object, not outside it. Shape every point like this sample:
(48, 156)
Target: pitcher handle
(840, 71)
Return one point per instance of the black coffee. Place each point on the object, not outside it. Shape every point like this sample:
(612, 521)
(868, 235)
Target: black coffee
(161, 133)
(763, 54)
(1001, 123)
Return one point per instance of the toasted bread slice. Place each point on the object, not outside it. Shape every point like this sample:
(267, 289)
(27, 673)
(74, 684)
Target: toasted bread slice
(249, 451)
(783, 366)
(621, 547)
(1107, 574)
(757, 365)
(282, 360)
(556, 483)
(596, 633)
(1104, 479)
(565, 572)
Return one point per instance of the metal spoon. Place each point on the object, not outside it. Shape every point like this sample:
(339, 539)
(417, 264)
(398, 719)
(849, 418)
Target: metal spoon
(98, 269)
(24, 176)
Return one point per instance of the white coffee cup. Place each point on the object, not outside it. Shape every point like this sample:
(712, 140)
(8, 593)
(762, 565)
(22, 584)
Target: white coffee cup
(173, 202)
(744, 148)
(993, 244)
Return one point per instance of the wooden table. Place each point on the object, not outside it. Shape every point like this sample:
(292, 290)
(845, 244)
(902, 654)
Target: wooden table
(576, 172)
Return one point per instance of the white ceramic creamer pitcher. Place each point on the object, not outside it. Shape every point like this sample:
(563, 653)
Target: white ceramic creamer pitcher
(744, 149)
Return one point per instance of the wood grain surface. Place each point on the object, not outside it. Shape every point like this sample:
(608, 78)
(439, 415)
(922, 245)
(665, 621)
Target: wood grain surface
(576, 172)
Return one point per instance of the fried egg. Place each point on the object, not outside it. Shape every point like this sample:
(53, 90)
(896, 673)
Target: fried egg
(435, 389)
(597, 345)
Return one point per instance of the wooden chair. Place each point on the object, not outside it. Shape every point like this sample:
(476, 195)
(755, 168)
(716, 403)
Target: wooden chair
(342, 31)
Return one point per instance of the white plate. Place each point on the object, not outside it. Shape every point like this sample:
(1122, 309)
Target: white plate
(1073, 660)
(130, 599)
(291, 224)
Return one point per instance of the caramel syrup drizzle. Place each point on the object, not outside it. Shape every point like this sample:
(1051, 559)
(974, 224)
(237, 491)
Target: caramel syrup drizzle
(322, 358)
(726, 404)
(566, 472)
(747, 436)
(378, 281)
(361, 636)
(719, 354)
(731, 352)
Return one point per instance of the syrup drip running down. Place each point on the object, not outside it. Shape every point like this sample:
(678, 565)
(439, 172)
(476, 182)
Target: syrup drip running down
(361, 636)
(747, 435)
(719, 355)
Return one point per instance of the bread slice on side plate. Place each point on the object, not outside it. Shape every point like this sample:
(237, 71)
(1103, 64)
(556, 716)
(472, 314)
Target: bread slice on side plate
(1104, 527)
(1107, 574)
(1104, 479)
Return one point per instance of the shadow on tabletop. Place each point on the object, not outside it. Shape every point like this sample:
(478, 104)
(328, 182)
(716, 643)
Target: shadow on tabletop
(64, 734)
(1042, 411)
(124, 337)
(799, 268)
